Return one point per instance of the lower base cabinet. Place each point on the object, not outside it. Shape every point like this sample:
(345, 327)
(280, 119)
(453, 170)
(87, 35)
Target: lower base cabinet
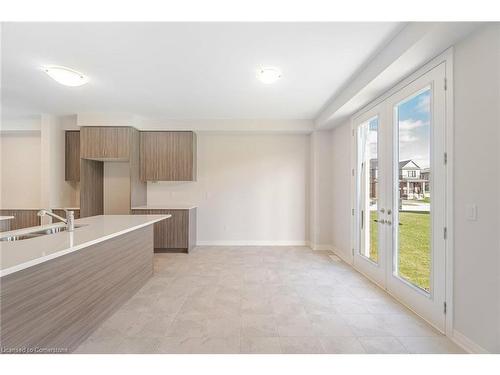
(176, 234)
(23, 218)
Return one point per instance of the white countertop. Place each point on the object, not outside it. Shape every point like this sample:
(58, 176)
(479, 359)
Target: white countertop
(6, 217)
(173, 206)
(18, 255)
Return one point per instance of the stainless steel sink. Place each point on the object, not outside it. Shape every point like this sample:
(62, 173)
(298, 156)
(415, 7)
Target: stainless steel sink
(35, 233)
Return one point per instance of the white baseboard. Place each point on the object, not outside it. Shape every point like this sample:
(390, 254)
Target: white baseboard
(320, 247)
(467, 344)
(252, 243)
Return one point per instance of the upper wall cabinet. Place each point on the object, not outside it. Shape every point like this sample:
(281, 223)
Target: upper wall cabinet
(168, 156)
(72, 156)
(105, 143)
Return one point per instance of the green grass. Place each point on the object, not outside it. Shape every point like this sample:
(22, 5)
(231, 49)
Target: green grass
(414, 245)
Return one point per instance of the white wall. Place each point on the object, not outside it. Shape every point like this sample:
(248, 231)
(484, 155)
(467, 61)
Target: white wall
(321, 191)
(476, 181)
(116, 188)
(32, 165)
(341, 187)
(477, 175)
(20, 170)
(251, 189)
(56, 192)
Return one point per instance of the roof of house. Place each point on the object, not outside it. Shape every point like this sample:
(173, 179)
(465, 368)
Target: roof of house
(402, 164)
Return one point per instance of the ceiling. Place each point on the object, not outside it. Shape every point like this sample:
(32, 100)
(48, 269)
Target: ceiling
(185, 70)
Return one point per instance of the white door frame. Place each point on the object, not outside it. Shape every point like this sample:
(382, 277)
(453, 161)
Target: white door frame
(375, 271)
(447, 58)
(431, 305)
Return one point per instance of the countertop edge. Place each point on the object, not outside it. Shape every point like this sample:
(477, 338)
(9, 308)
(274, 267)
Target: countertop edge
(34, 262)
(172, 207)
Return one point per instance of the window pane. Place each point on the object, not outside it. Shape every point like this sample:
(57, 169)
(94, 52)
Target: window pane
(368, 187)
(413, 246)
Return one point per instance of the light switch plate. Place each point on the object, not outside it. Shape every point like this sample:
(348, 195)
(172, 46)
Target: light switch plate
(471, 210)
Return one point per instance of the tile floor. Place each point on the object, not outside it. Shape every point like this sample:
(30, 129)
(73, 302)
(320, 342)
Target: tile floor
(261, 300)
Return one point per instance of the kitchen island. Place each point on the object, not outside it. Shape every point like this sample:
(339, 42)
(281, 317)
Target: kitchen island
(56, 289)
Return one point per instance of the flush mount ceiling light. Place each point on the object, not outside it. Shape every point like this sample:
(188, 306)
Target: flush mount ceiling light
(66, 76)
(268, 75)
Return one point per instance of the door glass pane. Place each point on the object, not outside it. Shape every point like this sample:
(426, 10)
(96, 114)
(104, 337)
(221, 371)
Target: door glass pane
(412, 255)
(368, 188)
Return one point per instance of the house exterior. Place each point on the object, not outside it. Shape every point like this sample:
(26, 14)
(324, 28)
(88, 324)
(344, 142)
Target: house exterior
(414, 182)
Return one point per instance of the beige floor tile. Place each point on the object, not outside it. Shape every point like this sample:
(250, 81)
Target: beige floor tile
(194, 325)
(301, 345)
(407, 325)
(318, 306)
(342, 345)
(256, 305)
(382, 345)
(330, 325)
(383, 306)
(99, 346)
(227, 326)
(430, 345)
(260, 345)
(168, 304)
(349, 305)
(138, 345)
(261, 300)
(258, 325)
(366, 325)
(177, 345)
(150, 326)
(295, 325)
(216, 345)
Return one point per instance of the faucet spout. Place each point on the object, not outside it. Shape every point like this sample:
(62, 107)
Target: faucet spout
(69, 221)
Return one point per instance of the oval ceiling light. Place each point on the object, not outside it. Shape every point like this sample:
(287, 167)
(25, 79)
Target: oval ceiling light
(268, 75)
(66, 76)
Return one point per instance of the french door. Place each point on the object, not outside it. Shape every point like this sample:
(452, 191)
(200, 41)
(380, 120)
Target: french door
(400, 195)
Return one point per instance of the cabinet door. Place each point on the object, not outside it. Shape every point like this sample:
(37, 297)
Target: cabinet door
(168, 156)
(72, 156)
(149, 156)
(112, 143)
(172, 233)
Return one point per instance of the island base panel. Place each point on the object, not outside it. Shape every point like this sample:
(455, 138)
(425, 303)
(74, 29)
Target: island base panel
(59, 303)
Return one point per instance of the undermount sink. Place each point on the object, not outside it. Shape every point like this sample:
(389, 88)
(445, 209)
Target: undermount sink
(35, 233)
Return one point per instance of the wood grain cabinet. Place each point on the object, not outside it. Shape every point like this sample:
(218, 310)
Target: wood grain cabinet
(177, 233)
(168, 156)
(72, 156)
(105, 143)
(62, 213)
(22, 218)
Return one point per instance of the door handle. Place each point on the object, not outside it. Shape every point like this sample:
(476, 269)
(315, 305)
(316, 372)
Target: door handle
(380, 221)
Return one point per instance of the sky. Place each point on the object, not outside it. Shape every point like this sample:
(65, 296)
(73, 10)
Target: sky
(414, 130)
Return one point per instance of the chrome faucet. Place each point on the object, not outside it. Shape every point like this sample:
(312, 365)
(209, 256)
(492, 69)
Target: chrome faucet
(69, 221)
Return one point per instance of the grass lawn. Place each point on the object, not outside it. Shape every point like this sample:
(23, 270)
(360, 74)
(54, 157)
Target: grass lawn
(414, 245)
